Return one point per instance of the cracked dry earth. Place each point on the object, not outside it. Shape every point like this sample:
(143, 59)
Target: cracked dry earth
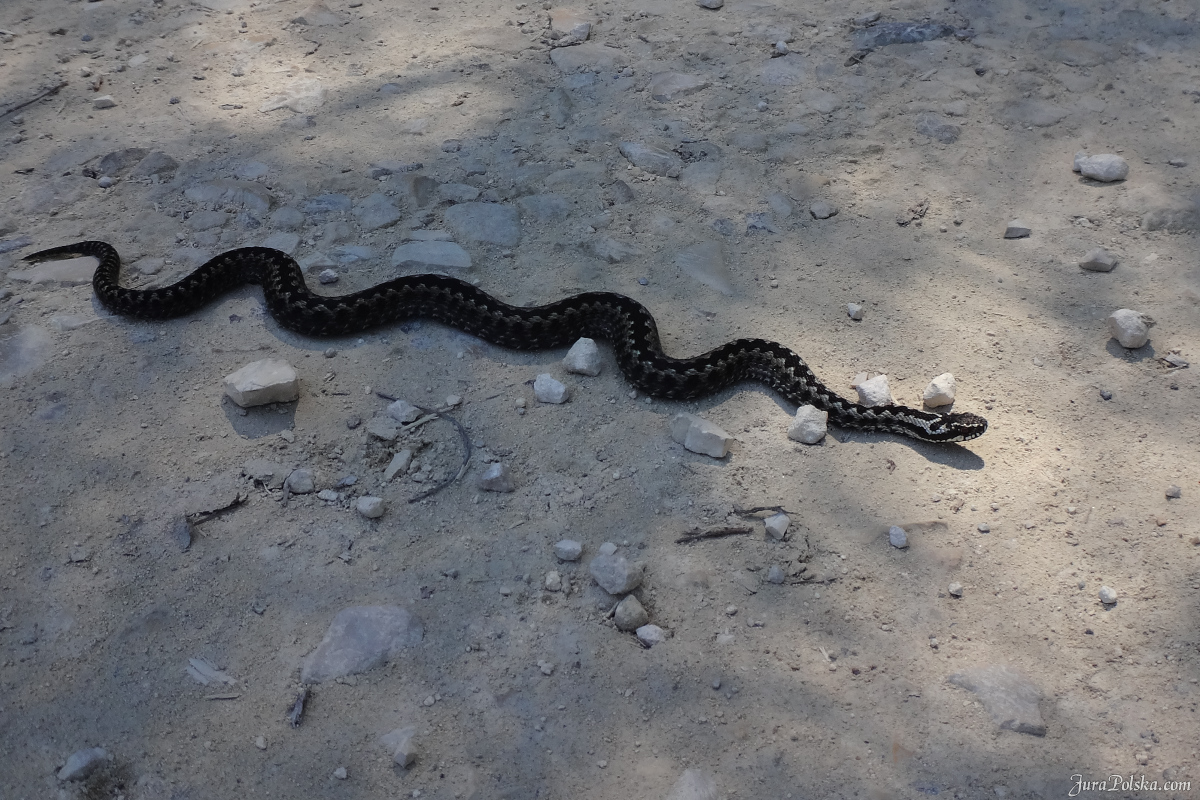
(176, 130)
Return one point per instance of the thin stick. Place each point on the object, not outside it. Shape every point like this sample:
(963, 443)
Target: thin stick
(712, 533)
(9, 105)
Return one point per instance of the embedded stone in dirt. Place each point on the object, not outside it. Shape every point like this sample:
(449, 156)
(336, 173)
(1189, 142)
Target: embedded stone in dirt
(1009, 697)
(359, 639)
(270, 380)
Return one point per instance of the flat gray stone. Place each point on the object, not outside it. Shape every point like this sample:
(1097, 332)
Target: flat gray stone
(1008, 696)
(937, 128)
(1173, 220)
(360, 639)
(328, 204)
(119, 162)
(544, 207)
(282, 240)
(287, 218)
(206, 220)
(822, 210)
(376, 211)
(654, 160)
(457, 193)
(667, 86)
(156, 163)
(789, 70)
(590, 55)
(900, 33)
(614, 251)
(431, 255)
(1037, 113)
(485, 222)
(1017, 229)
(253, 197)
(705, 262)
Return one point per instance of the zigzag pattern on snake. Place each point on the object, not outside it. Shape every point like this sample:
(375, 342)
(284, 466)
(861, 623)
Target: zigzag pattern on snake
(621, 320)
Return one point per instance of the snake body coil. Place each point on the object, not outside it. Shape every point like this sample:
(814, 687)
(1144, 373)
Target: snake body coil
(599, 315)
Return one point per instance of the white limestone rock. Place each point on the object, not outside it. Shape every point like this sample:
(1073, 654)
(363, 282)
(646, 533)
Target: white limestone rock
(1106, 167)
(270, 380)
(548, 390)
(874, 392)
(940, 391)
(583, 358)
(699, 435)
(1130, 328)
(370, 507)
(809, 426)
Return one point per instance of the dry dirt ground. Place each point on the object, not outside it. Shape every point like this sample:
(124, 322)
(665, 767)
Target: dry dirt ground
(833, 684)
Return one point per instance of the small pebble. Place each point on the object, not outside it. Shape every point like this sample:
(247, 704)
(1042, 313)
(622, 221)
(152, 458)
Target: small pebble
(983, 527)
(1105, 394)
(104, 101)
(340, 773)
(781, 48)
(568, 550)
(650, 635)
(822, 210)
(956, 590)
(940, 391)
(855, 311)
(898, 537)
(775, 574)
(548, 390)
(1108, 596)
(327, 276)
(1174, 492)
(370, 507)
(105, 182)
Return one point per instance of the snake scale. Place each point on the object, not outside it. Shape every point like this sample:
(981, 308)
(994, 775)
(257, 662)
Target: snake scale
(621, 320)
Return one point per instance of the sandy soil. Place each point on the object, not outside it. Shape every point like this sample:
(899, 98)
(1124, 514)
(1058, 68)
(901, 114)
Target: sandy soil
(830, 684)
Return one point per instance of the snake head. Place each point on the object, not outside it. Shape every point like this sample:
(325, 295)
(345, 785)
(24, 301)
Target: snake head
(955, 428)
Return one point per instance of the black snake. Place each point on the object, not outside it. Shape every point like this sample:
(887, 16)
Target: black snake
(599, 315)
